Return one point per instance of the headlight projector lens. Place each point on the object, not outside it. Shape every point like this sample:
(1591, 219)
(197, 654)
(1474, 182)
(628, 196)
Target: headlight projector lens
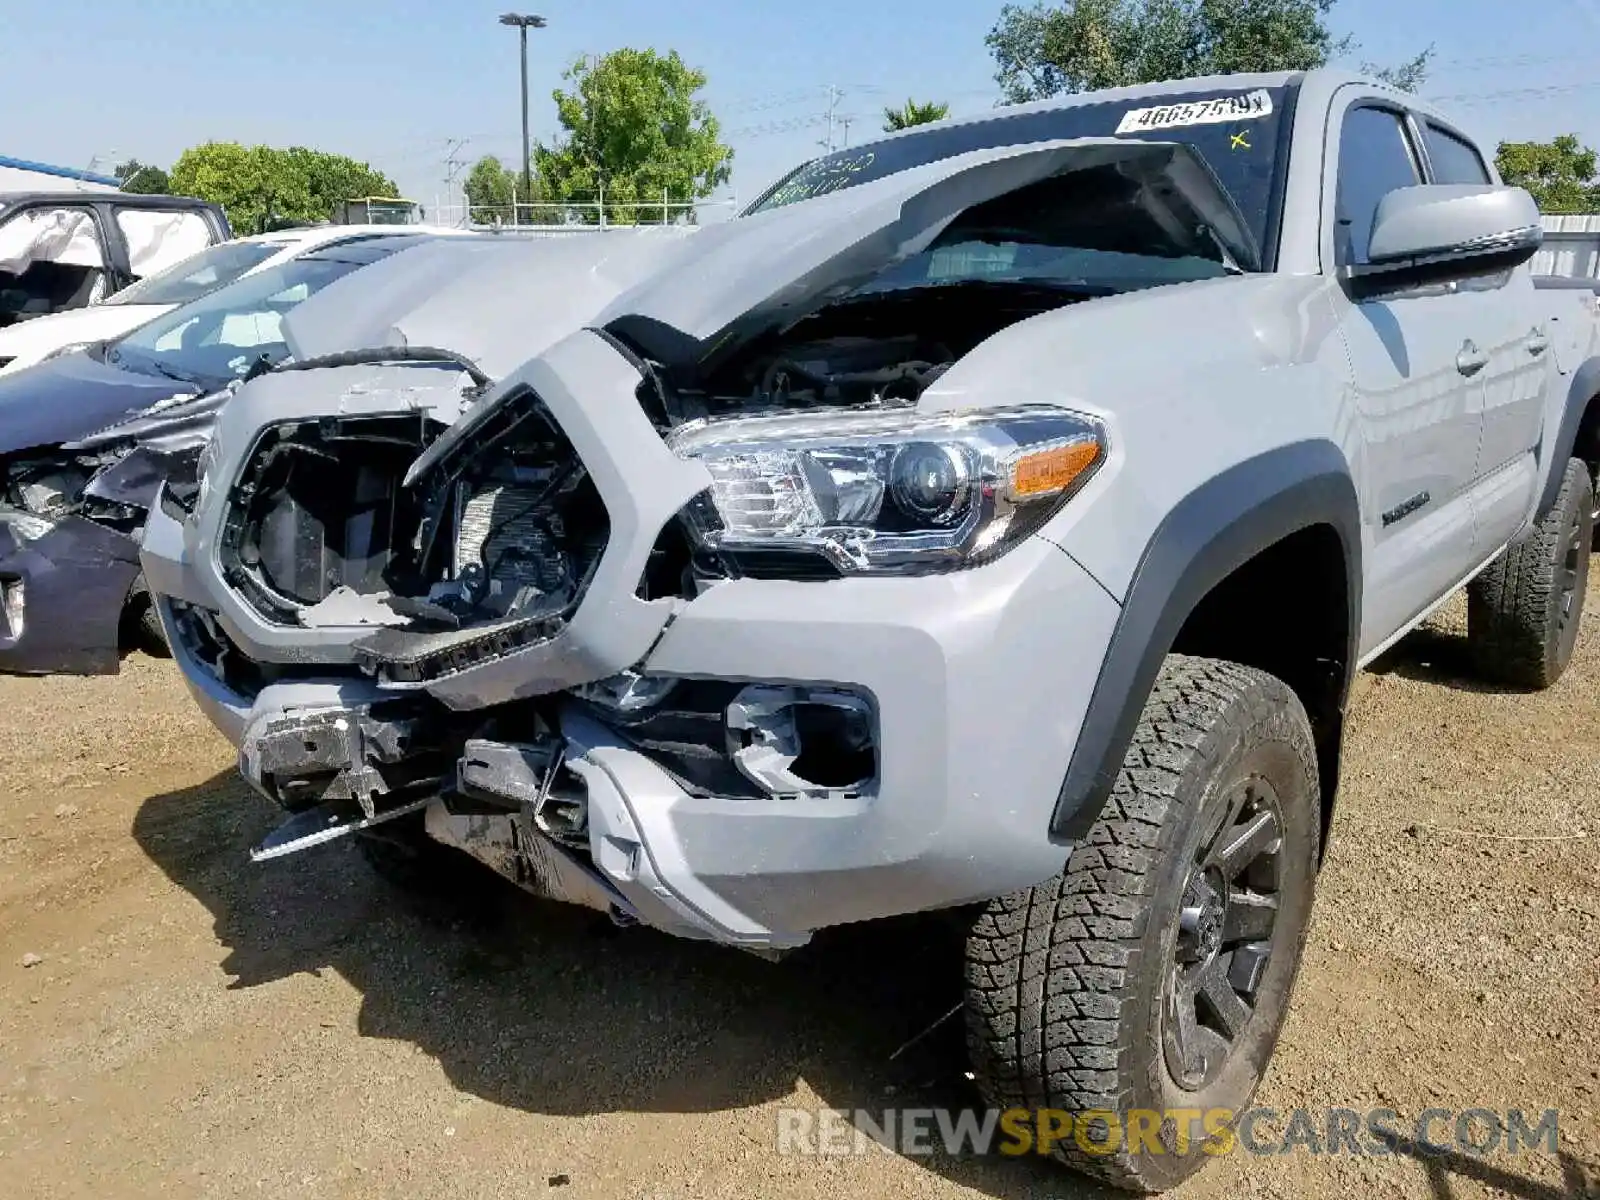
(930, 483)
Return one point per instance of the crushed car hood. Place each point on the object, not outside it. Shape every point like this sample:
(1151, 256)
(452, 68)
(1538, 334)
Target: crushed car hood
(498, 301)
(72, 397)
(776, 266)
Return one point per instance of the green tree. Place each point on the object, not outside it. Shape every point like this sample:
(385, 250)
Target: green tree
(142, 179)
(490, 189)
(260, 187)
(912, 113)
(633, 129)
(1045, 50)
(1560, 174)
(332, 179)
(1406, 76)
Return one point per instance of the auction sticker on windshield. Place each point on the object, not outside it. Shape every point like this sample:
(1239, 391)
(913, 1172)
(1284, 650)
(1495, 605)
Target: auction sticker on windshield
(1219, 110)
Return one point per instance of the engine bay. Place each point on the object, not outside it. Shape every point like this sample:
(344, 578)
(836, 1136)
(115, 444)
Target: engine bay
(323, 532)
(878, 347)
(100, 484)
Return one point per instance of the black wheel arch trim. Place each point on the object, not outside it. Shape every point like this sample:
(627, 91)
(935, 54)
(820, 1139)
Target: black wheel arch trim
(1209, 534)
(1585, 387)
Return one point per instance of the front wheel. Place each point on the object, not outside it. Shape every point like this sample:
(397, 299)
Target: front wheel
(141, 623)
(1154, 973)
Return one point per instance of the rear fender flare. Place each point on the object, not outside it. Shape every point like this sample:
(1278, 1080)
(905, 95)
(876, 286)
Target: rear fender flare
(1584, 389)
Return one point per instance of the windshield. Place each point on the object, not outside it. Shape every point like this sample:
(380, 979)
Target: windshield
(198, 274)
(221, 336)
(1236, 133)
(1098, 230)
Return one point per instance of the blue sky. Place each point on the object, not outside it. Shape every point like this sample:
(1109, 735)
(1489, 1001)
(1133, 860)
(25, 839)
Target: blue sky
(396, 81)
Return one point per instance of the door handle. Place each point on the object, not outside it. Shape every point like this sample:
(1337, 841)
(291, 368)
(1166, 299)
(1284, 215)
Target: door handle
(1471, 360)
(1537, 343)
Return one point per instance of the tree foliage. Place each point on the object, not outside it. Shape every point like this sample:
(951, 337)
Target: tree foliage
(1560, 174)
(1045, 50)
(634, 129)
(1407, 76)
(491, 188)
(260, 187)
(142, 179)
(911, 114)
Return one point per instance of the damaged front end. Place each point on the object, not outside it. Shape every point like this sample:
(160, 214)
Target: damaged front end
(70, 521)
(511, 621)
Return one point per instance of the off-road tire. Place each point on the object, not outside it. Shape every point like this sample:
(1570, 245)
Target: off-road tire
(1066, 981)
(1524, 611)
(432, 876)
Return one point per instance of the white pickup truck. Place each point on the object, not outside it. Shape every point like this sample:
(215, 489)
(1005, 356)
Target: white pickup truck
(991, 519)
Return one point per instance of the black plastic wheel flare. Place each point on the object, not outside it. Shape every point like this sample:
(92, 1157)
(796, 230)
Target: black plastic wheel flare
(1224, 937)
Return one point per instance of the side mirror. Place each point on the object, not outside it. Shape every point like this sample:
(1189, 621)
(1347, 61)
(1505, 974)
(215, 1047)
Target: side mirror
(1436, 233)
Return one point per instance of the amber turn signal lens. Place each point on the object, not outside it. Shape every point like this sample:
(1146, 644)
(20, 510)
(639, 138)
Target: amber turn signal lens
(1049, 471)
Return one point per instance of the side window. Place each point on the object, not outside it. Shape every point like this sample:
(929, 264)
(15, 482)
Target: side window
(1375, 158)
(51, 259)
(158, 239)
(1453, 160)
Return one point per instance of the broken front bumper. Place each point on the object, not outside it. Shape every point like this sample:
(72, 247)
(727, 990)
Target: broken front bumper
(63, 586)
(976, 684)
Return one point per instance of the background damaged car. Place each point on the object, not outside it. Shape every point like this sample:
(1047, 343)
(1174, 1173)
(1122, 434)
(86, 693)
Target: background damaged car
(87, 438)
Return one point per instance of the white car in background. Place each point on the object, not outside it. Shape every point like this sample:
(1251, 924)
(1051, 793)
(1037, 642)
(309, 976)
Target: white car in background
(29, 342)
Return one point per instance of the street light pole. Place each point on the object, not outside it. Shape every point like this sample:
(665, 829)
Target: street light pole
(523, 24)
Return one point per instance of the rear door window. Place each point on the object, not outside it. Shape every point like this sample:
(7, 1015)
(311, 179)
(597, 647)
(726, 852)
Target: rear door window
(1453, 159)
(157, 240)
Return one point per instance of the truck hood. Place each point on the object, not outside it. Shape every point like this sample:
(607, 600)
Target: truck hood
(72, 397)
(498, 301)
(776, 266)
(736, 279)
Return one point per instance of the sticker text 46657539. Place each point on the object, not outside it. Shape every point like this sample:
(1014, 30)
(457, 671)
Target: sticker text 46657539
(1216, 110)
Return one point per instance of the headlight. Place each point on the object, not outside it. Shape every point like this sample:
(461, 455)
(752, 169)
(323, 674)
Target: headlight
(889, 492)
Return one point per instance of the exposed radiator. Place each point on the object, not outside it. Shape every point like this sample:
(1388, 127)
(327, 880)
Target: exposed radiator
(505, 531)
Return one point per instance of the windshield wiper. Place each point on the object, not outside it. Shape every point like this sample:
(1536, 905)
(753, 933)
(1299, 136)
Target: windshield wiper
(176, 376)
(142, 364)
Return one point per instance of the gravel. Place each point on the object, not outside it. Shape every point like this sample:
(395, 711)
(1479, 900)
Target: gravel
(190, 1024)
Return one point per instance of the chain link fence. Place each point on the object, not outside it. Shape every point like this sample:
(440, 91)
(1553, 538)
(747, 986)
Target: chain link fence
(579, 217)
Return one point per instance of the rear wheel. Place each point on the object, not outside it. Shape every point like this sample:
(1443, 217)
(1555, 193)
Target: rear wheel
(1524, 611)
(1154, 973)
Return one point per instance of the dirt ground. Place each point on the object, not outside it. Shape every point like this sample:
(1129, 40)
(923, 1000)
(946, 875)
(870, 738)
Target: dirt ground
(190, 1025)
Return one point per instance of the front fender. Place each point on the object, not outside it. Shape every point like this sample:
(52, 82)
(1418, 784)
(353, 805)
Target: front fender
(1209, 534)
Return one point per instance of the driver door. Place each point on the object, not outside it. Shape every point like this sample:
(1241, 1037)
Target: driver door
(1418, 359)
